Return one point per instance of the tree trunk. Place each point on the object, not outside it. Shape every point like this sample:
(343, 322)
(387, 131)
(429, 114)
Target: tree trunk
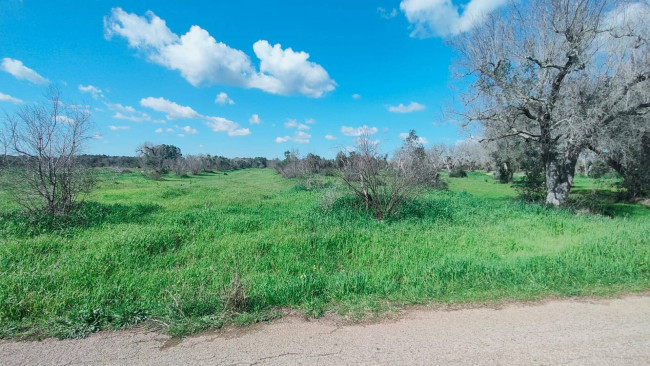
(559, 179)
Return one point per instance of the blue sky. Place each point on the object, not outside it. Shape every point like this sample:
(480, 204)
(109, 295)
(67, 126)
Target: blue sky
(244, 78)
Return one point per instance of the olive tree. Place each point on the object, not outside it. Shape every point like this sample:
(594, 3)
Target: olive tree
(558, 73)
(46, 140)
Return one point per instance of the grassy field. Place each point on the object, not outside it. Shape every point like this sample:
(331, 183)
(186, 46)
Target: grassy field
(199, 252)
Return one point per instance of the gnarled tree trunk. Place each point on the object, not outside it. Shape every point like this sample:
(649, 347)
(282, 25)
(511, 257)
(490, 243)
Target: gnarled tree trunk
(559, 178)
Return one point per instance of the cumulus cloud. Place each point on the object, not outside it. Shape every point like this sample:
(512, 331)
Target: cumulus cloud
(64, 119)
(21, 72)
(420, 140)
(200, 58)
(92, 90)
(119, 128)
(255, 119)
(440, 18)
(220, 124)
(174, 111)
(170, 109)
(189, 130)
(310, 121)
(330, 137)
(356, 96)
(413, 107)
(359, 131)
(387, 14)
(127, 113)
(158, 130)
(223, 98)
(288, 72)
(292, 123)
(9, 98)
(300, 137)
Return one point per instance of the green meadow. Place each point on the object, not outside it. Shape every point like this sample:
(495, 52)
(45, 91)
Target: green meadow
(186, 254)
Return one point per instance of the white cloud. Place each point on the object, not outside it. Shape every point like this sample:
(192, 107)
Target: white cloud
(330, 137)
(172, 110)
(359, 131)
(439, 18)
(21, 72)
(98, 137)
(181, 135)
(127, 113)
(201, 59)
(119, 128)
(9, 98)
(169, 129)
(292, 123)
(220, 124)
(300, 137)
(158, 130)
(387, 14)
(93, 90)
(310, 121)
(356, 96)
(223, 98)
(64, 119)
(140, 32)
(420, 140)
(175, 111)
(255, 119)
(287, 72)
(189, 130)
(413, 107)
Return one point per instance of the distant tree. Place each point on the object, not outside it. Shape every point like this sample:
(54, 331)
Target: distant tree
(47, 139)
(193, 164)
(157, 158)
(629, 156)
(558, 73)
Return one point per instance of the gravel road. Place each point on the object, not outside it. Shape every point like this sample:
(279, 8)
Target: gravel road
(557, 332)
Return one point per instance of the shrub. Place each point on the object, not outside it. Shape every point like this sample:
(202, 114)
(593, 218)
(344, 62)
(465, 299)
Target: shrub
(458, 172)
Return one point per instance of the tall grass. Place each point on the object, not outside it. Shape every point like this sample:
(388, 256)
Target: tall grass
(180, 252)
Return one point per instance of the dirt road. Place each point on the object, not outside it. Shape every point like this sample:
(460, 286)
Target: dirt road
(566, 332)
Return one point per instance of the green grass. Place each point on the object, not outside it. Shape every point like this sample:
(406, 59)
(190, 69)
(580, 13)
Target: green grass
(180, 252)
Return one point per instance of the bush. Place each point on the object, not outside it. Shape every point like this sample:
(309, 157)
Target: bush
(383, 185)
(458, 172)
(532, 186)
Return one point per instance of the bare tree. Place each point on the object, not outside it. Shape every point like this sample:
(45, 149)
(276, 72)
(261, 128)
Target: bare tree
(47, 140)
(194, 164)
(558, 73)
(384, 185)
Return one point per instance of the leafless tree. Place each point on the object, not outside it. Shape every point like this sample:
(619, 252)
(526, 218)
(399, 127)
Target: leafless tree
(194, 164)
(558, 73)
(4, 145)
(384, 185)
(47, 139)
